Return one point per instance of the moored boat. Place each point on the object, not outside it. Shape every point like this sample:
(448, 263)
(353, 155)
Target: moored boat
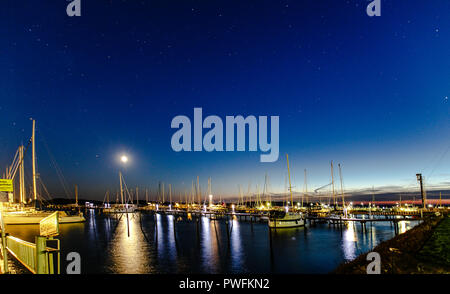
(281, 219)
(31, 218)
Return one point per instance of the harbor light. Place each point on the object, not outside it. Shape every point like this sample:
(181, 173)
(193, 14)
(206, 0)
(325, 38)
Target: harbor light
(287, 208)
(170, 206)
(232, 208)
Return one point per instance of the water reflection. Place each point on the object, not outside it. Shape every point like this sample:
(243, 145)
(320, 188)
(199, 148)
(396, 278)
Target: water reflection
(237, 256)
(349, 241)
(160, 244)
(210, 245)
(129, 254)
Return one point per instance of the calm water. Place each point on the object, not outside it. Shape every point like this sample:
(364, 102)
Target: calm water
(105, 247)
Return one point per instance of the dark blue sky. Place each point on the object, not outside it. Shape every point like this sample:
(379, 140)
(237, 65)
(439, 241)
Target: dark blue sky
(370, 93)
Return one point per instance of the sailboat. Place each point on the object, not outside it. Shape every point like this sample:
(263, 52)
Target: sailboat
(19, 214)
(286, 219)
(122, 207)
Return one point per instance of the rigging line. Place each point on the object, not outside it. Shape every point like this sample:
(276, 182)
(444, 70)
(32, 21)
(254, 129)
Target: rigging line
(126, 189)
(104, 198)
(439, 161)
(45, 189)
(59, 173)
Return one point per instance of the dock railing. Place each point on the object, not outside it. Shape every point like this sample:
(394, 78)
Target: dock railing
(37, 258)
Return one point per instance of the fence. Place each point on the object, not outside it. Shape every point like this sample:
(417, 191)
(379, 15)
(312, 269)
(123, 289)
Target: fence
(37, 258)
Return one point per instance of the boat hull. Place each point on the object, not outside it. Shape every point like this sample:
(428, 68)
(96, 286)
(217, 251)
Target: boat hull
(35, 219)
(286, 223)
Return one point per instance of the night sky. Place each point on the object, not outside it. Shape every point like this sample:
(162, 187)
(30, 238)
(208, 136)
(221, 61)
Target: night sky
(369, 93)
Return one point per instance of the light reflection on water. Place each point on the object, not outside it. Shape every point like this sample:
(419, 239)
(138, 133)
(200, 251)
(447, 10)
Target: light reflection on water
(349, 242)
(174, 246)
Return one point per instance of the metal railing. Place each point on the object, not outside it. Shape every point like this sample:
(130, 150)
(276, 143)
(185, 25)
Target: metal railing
(37, 258)
(23, 251)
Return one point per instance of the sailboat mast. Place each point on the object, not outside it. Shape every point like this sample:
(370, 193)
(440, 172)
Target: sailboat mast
(76, 195)
(332, 183)
(121, 188)
(22, 177)
(137, 196)
(342, 186)
(198, 192)
(170, 194)
(209, 192)
(306, 189)
(289, 174)
(33, 147)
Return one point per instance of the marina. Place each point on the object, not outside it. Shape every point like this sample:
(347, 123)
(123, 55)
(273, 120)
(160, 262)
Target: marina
(164, 243)
(165, 236)
(224, 145)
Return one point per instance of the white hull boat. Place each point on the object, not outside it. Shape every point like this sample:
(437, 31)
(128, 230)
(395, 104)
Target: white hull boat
(279, 219)
(32, 218)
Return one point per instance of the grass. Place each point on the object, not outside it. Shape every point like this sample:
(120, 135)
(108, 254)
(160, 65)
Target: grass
(437, 249)
(425, 249)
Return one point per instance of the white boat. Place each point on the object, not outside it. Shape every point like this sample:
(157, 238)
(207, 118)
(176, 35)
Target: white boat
(32, 218)
(281, 219)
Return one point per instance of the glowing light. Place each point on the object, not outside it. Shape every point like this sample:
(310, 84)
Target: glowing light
(124, 158)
